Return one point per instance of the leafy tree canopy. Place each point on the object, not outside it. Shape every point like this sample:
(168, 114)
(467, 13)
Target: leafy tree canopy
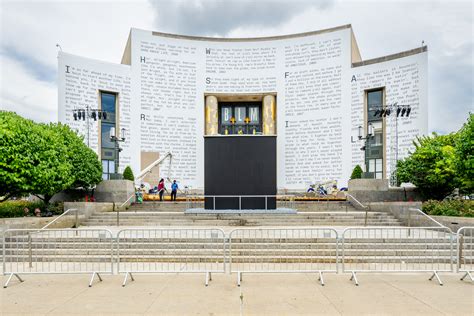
(432, 166)
(465, 155)
(42, 159)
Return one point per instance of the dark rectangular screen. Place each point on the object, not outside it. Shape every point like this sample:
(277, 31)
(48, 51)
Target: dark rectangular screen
(240, 165)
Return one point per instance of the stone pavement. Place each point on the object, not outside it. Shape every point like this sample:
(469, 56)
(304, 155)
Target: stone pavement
(263, 294)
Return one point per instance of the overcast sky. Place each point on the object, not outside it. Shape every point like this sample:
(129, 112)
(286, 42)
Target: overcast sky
(30, 31)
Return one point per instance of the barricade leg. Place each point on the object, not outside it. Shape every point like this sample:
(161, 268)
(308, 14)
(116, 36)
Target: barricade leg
(10, 277)
(208, 278)
(126, 278)
(435, 274)
(354, 278)
(92, 278)
(321, 278)
(239, 278)
(468, 274)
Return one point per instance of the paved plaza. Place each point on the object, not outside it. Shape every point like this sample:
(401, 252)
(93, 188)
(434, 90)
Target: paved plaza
(263, 294)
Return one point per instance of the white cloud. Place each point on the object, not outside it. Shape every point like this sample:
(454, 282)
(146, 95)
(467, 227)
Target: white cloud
(30, 31)
(383, 28)
(99, 30)
(25, 95)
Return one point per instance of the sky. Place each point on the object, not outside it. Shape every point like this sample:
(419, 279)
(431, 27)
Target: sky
(31, 30)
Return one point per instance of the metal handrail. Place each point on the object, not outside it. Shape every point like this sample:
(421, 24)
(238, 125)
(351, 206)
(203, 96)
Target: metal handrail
(366, 208)
(357, 201)
(427, 216)
(132, 195)
(122, 205)
(67, 211)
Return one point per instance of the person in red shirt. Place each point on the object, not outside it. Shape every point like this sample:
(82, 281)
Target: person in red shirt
(161, 188)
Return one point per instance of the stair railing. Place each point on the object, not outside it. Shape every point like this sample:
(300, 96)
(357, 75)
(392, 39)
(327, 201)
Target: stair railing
(63, 214)
(121, 206)
(353, 200)
(30, 250)
(424, 216)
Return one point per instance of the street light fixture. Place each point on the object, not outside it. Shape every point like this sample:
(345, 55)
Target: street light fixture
(117, 139)
(398, 110)
(87, 113)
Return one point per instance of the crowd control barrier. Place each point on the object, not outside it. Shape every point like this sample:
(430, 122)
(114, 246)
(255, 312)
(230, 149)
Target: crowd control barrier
(397, 249)
(57, 251)
(170, 251)
(297, 250)
(465, 252)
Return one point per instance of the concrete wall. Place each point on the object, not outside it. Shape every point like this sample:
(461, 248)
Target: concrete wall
(375, 190)
(33, 222)
(368, 185)
(455, 222)
(398, 209)
(116, 191)
(66, 221)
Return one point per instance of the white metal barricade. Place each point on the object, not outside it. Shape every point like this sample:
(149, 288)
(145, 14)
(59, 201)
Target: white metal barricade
(292, 250)
(170, 251)
(465, 252)
(397, 249)
(57, 251)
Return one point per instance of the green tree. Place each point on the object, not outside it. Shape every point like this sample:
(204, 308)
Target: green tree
(465, 155)
(357, 172)
(32, 159)
(16, 153)
(43, 159)
(86, 167)
(128, 174)
(432, 166)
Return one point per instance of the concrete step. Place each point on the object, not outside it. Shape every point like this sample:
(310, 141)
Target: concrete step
(301, 206)
(235, 216)
(140, 218)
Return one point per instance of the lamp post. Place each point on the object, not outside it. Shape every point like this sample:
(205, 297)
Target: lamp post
(370, 134)
(86, 114)
(117, 139)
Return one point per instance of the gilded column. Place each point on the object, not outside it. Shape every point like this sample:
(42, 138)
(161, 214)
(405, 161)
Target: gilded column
(211, 115)
(269, 115)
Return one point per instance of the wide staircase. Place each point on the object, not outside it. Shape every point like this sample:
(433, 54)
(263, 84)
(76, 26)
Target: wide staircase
(309, 214)
(297, 242)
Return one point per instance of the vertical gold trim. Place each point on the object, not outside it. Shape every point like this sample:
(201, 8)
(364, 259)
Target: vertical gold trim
(211, 115)
(269, 115)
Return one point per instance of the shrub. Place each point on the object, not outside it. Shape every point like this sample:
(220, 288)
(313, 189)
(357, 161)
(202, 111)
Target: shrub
(356, 173)
(462, 208)
(128, 174)
(16, 208)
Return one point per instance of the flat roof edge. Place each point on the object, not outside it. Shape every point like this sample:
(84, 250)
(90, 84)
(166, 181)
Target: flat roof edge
(251, 39)
(406, 53)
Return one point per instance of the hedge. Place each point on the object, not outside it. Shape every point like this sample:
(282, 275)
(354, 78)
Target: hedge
(16, 208)
(461, 208)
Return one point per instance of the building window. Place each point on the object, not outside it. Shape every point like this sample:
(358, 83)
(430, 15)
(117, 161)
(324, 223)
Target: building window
(376, 168)
(240, 118)
(374, 149)
(108, 102)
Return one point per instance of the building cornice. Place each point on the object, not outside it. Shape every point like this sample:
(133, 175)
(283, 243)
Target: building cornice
(252, 39)
(382, 59)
